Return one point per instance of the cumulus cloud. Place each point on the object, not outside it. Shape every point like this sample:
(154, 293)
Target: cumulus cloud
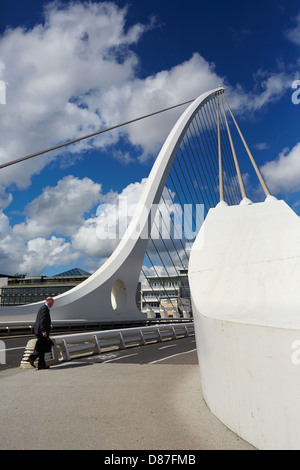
(59, 209)
(53, 75)
(33, 245)
(269, 88)
(41, 252)
(164, 89)
(57, 230)
(293, 34)
(283, 174)
(32, 256)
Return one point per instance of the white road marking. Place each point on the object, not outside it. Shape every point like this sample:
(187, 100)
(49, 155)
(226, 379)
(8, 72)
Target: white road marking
(173, 355)
(120, 357)
(12, 349)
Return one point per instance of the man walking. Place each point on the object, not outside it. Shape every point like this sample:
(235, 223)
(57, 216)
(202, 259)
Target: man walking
(42, 328)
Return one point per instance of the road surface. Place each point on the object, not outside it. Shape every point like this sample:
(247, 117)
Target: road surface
(140, 398)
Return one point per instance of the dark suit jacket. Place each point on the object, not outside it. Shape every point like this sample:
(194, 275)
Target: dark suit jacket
(43, 321)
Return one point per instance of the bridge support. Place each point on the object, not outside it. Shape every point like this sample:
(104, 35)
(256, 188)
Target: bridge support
(244, 275)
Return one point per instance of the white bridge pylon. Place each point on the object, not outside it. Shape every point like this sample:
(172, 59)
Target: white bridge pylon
(110, 293)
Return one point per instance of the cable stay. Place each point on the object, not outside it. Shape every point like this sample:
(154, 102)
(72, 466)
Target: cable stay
(205, 172)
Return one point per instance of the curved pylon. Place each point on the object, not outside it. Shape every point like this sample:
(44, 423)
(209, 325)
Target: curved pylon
(110, 293)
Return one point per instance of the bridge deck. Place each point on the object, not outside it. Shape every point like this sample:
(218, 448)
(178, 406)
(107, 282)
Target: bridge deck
(146, 398)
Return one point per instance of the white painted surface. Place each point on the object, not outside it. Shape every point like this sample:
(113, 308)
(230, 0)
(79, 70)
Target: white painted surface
(249, 266)
(244, 275)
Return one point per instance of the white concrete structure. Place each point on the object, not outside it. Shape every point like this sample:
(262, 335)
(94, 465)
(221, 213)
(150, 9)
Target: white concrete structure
(110, 293)
(244, 276)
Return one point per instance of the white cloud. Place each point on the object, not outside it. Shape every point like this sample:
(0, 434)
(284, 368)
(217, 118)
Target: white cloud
(4, 226)
(269, 87)
(169, 87)
(51, 73)
(283, 174)
(33, 245)
(261, 146)
(59, 209)
(34, 256)
(41, 253)
(293, 34)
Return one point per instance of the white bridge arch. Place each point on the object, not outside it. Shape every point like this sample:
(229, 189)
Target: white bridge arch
(110, 293)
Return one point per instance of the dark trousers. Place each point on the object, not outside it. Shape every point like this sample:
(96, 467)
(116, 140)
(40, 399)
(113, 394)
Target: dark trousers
(40, 355)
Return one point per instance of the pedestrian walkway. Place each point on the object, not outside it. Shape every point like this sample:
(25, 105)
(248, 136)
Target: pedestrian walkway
(89, 404)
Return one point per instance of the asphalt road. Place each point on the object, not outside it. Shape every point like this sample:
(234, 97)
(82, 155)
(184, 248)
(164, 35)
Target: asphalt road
(12, 349)
(182, 351)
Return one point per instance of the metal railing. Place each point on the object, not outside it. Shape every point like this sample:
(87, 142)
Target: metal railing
(70, 346)
(26, 327)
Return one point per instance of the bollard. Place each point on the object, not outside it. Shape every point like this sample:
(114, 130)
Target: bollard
(51, 358)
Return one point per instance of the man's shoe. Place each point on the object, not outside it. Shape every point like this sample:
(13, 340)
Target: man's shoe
(31, 362)
(44, 367)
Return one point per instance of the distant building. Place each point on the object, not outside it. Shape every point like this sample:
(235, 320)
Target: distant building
(22, 289)
(167, 296)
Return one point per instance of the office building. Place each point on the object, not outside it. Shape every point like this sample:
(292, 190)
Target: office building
(167, 296)
(23, 289)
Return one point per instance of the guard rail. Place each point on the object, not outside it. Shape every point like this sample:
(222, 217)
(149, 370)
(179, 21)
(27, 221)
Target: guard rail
(67, 347)
(26, 327)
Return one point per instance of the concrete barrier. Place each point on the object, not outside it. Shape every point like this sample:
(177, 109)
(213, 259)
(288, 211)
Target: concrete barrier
(67, 347)
(51, 358)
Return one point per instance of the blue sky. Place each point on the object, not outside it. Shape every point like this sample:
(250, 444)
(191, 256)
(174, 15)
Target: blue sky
(71, 68)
